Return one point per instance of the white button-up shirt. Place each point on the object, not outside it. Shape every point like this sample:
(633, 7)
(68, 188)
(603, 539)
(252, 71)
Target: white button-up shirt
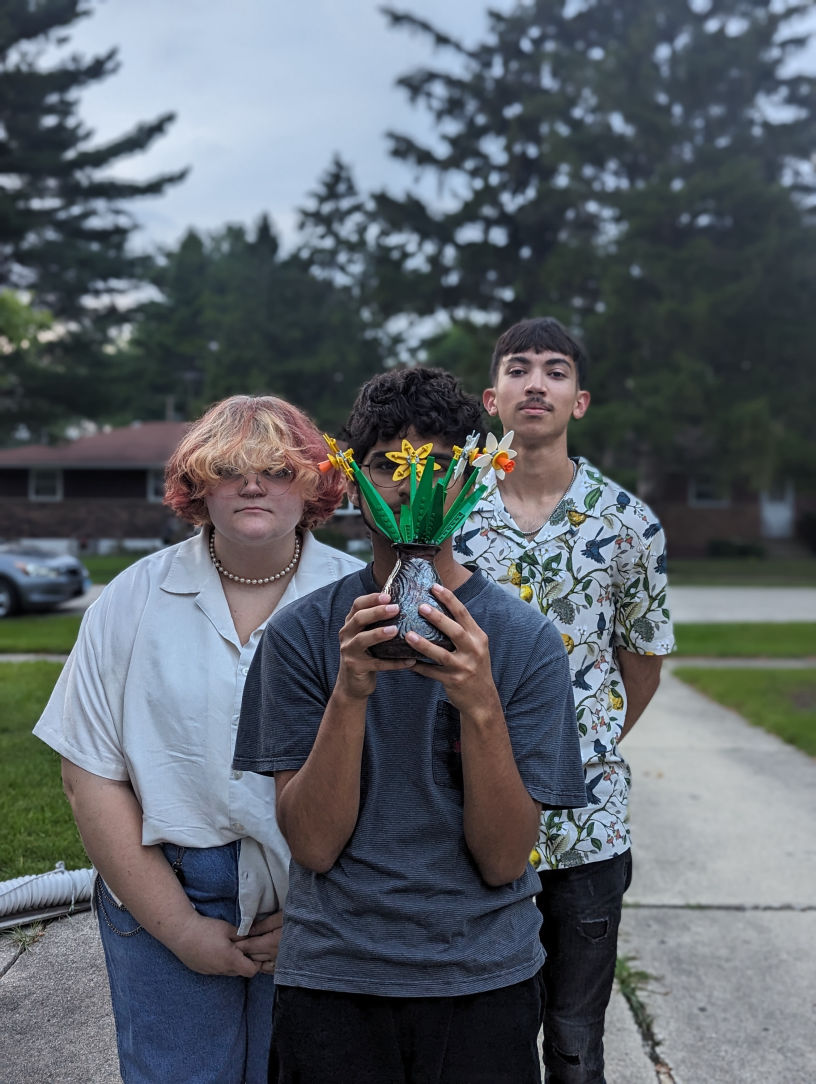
(152, 694)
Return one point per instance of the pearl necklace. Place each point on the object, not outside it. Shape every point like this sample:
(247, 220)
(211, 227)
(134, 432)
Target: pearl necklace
(245, 579)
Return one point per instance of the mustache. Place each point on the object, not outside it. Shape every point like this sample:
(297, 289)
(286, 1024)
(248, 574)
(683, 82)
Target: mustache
(535, 400)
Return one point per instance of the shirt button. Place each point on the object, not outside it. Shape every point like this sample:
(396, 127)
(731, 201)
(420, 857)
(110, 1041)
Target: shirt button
(236, 775)
(244, 670)
(237, 826)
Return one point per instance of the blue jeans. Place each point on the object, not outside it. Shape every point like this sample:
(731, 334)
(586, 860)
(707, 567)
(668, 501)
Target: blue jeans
(581, 909)
(172, 1023)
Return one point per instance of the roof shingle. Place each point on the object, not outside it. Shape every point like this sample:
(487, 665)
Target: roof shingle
(143, 444)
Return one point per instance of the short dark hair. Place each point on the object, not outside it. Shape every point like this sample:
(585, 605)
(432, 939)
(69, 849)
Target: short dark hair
(431, 400)
(539, 334)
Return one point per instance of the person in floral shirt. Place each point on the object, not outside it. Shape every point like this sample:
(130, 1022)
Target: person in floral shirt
(591, 556)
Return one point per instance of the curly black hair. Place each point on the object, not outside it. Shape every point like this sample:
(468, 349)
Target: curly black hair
(539, 334)
(431, 400)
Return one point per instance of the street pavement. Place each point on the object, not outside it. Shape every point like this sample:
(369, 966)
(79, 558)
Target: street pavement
(717, 604)
(719, 928)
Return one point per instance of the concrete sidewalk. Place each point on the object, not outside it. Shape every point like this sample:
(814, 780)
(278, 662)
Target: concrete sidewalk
(721, 915)
(715, 604)
(722, 909)
(58, 1029)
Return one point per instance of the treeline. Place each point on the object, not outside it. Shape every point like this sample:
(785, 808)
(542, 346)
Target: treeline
(645, 172)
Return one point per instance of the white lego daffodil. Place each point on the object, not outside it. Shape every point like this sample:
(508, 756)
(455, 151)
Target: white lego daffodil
(497, 456)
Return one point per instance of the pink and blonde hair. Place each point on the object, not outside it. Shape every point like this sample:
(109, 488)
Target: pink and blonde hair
(250, 433)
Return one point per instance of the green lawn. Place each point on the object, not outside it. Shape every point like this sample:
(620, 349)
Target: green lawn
(50, 634)
(55, 633)
(103, 567)
(742, 640)
(783, 702)
(743, 572)
(38, 829)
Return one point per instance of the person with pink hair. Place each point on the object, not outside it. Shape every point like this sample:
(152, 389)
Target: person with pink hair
(192, 870)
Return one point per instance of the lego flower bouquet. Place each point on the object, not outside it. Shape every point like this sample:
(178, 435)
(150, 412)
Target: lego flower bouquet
(424, 523)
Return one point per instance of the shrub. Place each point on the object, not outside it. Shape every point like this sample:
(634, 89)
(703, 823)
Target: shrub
(734, 547)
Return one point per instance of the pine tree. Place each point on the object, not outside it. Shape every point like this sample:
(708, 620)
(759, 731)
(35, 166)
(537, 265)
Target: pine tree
(63, 226)
(64, 220)
(235, 316)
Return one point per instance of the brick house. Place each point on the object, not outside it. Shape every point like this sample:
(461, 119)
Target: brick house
(109, 486)
(700, 515)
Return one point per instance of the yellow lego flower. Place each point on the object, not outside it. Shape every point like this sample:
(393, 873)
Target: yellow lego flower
(410, 455)
(337, 460)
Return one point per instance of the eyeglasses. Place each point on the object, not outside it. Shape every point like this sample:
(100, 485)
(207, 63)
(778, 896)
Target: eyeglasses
(381, 470)
(270, 481)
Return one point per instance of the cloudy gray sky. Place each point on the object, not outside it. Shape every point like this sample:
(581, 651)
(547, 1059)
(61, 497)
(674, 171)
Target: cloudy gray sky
(265, 92)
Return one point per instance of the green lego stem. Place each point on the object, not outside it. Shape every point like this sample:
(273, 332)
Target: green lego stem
(380, 512)
(422, 520)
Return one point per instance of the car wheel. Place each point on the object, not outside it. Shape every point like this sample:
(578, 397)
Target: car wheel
(8, 598)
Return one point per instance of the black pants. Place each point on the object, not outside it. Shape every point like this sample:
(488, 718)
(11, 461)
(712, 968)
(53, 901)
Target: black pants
(320, 1037)
(581, 910)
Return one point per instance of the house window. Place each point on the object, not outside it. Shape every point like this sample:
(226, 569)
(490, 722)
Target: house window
(44, 485)
(706, 491)
(155, 486)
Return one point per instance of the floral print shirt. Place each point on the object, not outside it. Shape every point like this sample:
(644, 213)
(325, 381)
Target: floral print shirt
(597, 569)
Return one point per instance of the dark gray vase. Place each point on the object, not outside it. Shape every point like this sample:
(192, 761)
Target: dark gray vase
(409, 585)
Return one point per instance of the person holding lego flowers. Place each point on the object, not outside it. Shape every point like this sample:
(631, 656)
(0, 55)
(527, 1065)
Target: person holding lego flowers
(409, 789)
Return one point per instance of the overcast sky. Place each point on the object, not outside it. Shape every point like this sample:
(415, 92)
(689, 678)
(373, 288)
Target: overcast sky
(265, 92)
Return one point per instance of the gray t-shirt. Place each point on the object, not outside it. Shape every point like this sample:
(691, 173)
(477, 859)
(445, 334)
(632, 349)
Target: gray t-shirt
(404, 911)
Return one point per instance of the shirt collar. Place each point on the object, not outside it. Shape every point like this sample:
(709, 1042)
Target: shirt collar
(192, 572)
(586, 489)
(582, 495)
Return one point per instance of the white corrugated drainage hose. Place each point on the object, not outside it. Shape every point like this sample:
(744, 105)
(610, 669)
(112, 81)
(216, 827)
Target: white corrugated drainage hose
(58, 886)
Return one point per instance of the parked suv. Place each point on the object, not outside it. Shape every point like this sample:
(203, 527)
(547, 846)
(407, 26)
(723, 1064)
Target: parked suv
(31, 579)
